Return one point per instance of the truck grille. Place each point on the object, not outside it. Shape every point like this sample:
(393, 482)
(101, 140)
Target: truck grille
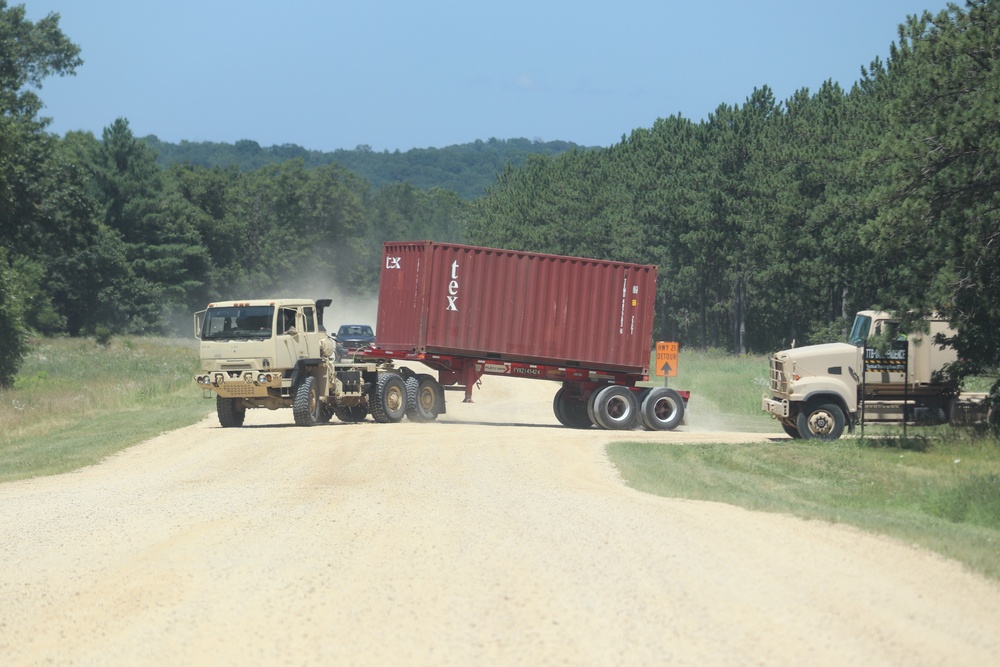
(779, 383)
(240, 389)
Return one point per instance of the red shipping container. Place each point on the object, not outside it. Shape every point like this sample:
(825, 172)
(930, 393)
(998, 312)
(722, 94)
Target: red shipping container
(511, 305)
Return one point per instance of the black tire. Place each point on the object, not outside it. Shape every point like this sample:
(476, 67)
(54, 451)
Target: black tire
(325, 413)
(351, 413)
(616, 408)
(388, 403)
(821, 421)
(662, 409)
(591, 414)
(569, 412)
(791, 431)
(231, 411)
(424, 398)
(557, 406)
(306, 406)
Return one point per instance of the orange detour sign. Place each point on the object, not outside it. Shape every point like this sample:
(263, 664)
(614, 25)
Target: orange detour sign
(666, 359)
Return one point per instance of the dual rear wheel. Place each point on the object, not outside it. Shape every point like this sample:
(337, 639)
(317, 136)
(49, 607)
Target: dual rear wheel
(616, 407)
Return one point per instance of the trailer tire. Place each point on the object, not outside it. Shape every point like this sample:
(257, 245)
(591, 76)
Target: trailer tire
(591, 414)
(306, 406)
(821, 421)
(351, 414)
(570, 413)
(231, 411)
(662, 409)
(389, 404)
(423, 398)
(616, 408)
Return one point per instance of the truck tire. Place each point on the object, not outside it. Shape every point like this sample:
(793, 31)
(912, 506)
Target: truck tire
(662, 409)
(231, 411)
(423, 398)
(569, 412)
(821, 421)
(791, 431)
(616, 408)
(388, 404)
(325, 413)
(306, 406)
(351, 414)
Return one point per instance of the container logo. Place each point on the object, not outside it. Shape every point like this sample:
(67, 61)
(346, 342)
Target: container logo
(453, 288)
(392, 262)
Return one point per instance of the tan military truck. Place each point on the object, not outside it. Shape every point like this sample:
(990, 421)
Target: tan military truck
(276, 353)
(878, 376)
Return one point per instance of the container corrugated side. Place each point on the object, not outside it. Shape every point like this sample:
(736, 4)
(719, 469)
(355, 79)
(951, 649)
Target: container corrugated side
(516, 306)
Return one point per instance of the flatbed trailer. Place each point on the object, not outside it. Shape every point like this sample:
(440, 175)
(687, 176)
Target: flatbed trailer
(467, 311)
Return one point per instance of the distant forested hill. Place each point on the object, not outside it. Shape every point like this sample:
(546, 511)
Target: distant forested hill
(467, 169)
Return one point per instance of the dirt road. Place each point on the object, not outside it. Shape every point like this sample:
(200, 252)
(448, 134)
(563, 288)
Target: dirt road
(489, 537)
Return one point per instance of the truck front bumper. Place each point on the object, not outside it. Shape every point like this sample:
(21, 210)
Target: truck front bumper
(246, 384)
(777, 408)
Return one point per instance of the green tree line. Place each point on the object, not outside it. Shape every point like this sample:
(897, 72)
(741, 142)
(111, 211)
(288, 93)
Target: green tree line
(467, 169)
(771, 221)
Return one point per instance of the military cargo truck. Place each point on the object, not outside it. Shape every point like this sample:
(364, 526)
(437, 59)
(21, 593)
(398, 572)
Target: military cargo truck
(878, 376)
(275, 353)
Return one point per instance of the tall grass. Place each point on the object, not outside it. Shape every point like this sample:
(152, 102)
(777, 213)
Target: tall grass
(75, 401)
(937, 487)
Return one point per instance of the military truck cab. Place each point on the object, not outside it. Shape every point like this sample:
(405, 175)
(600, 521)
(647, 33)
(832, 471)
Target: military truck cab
(880, 376)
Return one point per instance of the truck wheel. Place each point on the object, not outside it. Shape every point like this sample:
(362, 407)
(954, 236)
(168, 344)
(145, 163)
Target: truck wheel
(616, 408)
(662, 409)
(423, 398)
(325, 413)
(821, 421)
(231, 411)
(569, 412)
(306, 406)
(389, 404)
(350, 413)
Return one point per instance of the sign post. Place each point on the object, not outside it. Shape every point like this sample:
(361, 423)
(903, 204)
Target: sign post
(666, 360)
(893, 360)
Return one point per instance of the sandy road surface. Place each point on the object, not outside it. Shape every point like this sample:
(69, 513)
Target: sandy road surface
(489, 537)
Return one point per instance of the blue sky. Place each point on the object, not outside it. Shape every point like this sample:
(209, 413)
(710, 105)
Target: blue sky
(432, 73)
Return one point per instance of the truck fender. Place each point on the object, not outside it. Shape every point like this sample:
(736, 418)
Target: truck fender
(826, 397)
(304, 368)
(827, 389)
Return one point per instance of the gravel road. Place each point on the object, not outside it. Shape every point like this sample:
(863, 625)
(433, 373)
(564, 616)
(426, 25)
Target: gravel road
(492, 536)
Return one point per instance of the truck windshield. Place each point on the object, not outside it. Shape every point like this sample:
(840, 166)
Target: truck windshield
(238, 322)
(859, 332)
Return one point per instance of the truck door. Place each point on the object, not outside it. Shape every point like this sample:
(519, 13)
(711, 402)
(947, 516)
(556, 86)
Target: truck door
(297, 332)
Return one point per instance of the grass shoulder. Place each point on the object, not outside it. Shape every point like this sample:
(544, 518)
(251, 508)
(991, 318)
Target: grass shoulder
(939, 489)
(75, 402)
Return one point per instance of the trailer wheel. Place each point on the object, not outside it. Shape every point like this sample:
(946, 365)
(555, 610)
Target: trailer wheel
(306, 406)
(350, 413)
(821, 421)
(591, 414)
(616, 408)
(231, 411)
(389, 404)
(424, 398)
(569, 412)
(662, 409)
